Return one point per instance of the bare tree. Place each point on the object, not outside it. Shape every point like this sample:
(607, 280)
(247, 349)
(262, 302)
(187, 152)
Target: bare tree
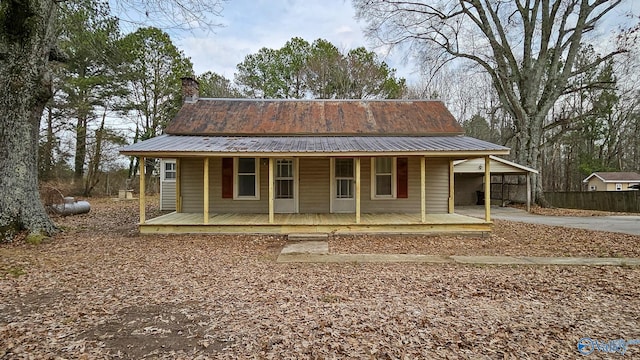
(528, 48)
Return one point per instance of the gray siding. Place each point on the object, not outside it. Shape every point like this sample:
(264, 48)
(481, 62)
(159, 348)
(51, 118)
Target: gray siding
(437, 185)
(191, 185)
(408, 205)
(314, 186)
(219, 205)
(168, 195)
(192, 189)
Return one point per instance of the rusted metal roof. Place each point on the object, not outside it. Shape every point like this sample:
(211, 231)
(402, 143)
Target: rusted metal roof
(185, 145)
(313, 117)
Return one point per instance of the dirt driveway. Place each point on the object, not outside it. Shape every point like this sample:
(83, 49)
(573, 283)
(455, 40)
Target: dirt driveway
(101, 291)
(627, 224)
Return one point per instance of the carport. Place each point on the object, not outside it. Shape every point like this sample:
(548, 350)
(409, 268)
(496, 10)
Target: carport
(469, 180)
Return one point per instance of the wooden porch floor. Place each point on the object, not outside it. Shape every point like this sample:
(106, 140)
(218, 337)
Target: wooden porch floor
(312, 223)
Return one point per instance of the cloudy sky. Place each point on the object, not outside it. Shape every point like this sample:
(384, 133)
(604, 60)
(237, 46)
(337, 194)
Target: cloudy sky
(249, 25)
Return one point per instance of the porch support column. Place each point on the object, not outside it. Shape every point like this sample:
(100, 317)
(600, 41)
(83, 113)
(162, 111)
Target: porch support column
(206, 190)
(357, 190)
(528, 192)
(451, 187)
(271, 191)
(143, 201)
(178, 186)
(487, 188)
(423, 190)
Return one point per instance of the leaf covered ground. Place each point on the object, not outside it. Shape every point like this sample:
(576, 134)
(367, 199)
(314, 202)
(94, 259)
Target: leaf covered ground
(101, 291)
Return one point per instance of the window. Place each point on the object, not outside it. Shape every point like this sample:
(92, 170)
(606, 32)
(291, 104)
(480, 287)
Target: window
(170, 171)
(344, 178)
(384, 169)
(247, 175)
(593, 188)
(618, 187)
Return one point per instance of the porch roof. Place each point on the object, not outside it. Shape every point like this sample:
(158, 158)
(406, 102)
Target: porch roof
(185, 145)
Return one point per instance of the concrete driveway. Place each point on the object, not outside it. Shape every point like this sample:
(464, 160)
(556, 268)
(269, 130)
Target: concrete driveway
(617, 223)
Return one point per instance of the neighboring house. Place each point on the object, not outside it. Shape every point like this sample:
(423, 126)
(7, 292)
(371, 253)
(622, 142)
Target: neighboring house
(469, 181)
(612, 181)
(281, 166)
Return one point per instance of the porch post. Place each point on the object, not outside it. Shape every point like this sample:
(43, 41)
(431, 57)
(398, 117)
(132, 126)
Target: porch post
(423, 191)
(271, 192)
(143, 204)
(528, 192)
(178, 186)
(357, 190)
(487, 188)
(206, 190)
(451, 187)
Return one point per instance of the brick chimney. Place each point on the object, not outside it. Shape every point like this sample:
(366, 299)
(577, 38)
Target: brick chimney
(190, 89)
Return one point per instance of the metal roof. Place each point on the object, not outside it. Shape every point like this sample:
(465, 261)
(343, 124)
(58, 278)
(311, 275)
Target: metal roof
(247, 117)
(515, 168)
(177, 145)
(615, 176)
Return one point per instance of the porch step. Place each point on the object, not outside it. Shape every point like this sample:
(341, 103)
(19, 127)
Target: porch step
(308, 237)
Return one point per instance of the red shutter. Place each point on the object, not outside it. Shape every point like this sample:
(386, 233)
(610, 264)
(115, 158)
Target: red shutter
(227, 178)
(402, 178)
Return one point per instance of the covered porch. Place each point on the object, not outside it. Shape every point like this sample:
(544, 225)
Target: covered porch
(361, 220)
(232, 223)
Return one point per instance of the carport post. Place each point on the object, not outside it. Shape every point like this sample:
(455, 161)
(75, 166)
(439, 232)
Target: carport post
(487, 188)
(423, 191)
(143, 204)
(502, 191)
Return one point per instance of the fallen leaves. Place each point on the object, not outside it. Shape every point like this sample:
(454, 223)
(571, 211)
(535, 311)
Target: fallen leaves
(100, 291)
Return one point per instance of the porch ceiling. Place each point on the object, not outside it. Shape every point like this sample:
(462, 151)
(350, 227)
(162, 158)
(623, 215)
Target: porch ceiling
(178, 145)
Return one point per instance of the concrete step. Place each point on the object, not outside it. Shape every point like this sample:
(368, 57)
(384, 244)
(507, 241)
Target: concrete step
(308, 237)
(305, 247)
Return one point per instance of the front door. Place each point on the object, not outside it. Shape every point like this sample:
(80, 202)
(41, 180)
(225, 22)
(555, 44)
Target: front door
(343, 198)
(285, 200)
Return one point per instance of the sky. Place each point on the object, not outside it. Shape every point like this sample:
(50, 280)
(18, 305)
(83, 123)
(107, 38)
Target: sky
(246, 26)
(249, 25)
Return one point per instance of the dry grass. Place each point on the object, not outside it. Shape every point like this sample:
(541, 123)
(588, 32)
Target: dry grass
(100, 291)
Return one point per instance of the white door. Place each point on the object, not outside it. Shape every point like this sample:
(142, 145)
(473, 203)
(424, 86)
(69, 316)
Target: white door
(343, 198)
(285, 201)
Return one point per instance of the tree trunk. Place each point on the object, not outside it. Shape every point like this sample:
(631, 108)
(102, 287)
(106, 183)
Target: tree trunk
(94, 165)
(26, 39)
(528, 143)
(46, 166)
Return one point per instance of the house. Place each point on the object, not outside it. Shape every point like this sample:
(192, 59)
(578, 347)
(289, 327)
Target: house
(282, 166)
(469, 181)
(612, 181)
